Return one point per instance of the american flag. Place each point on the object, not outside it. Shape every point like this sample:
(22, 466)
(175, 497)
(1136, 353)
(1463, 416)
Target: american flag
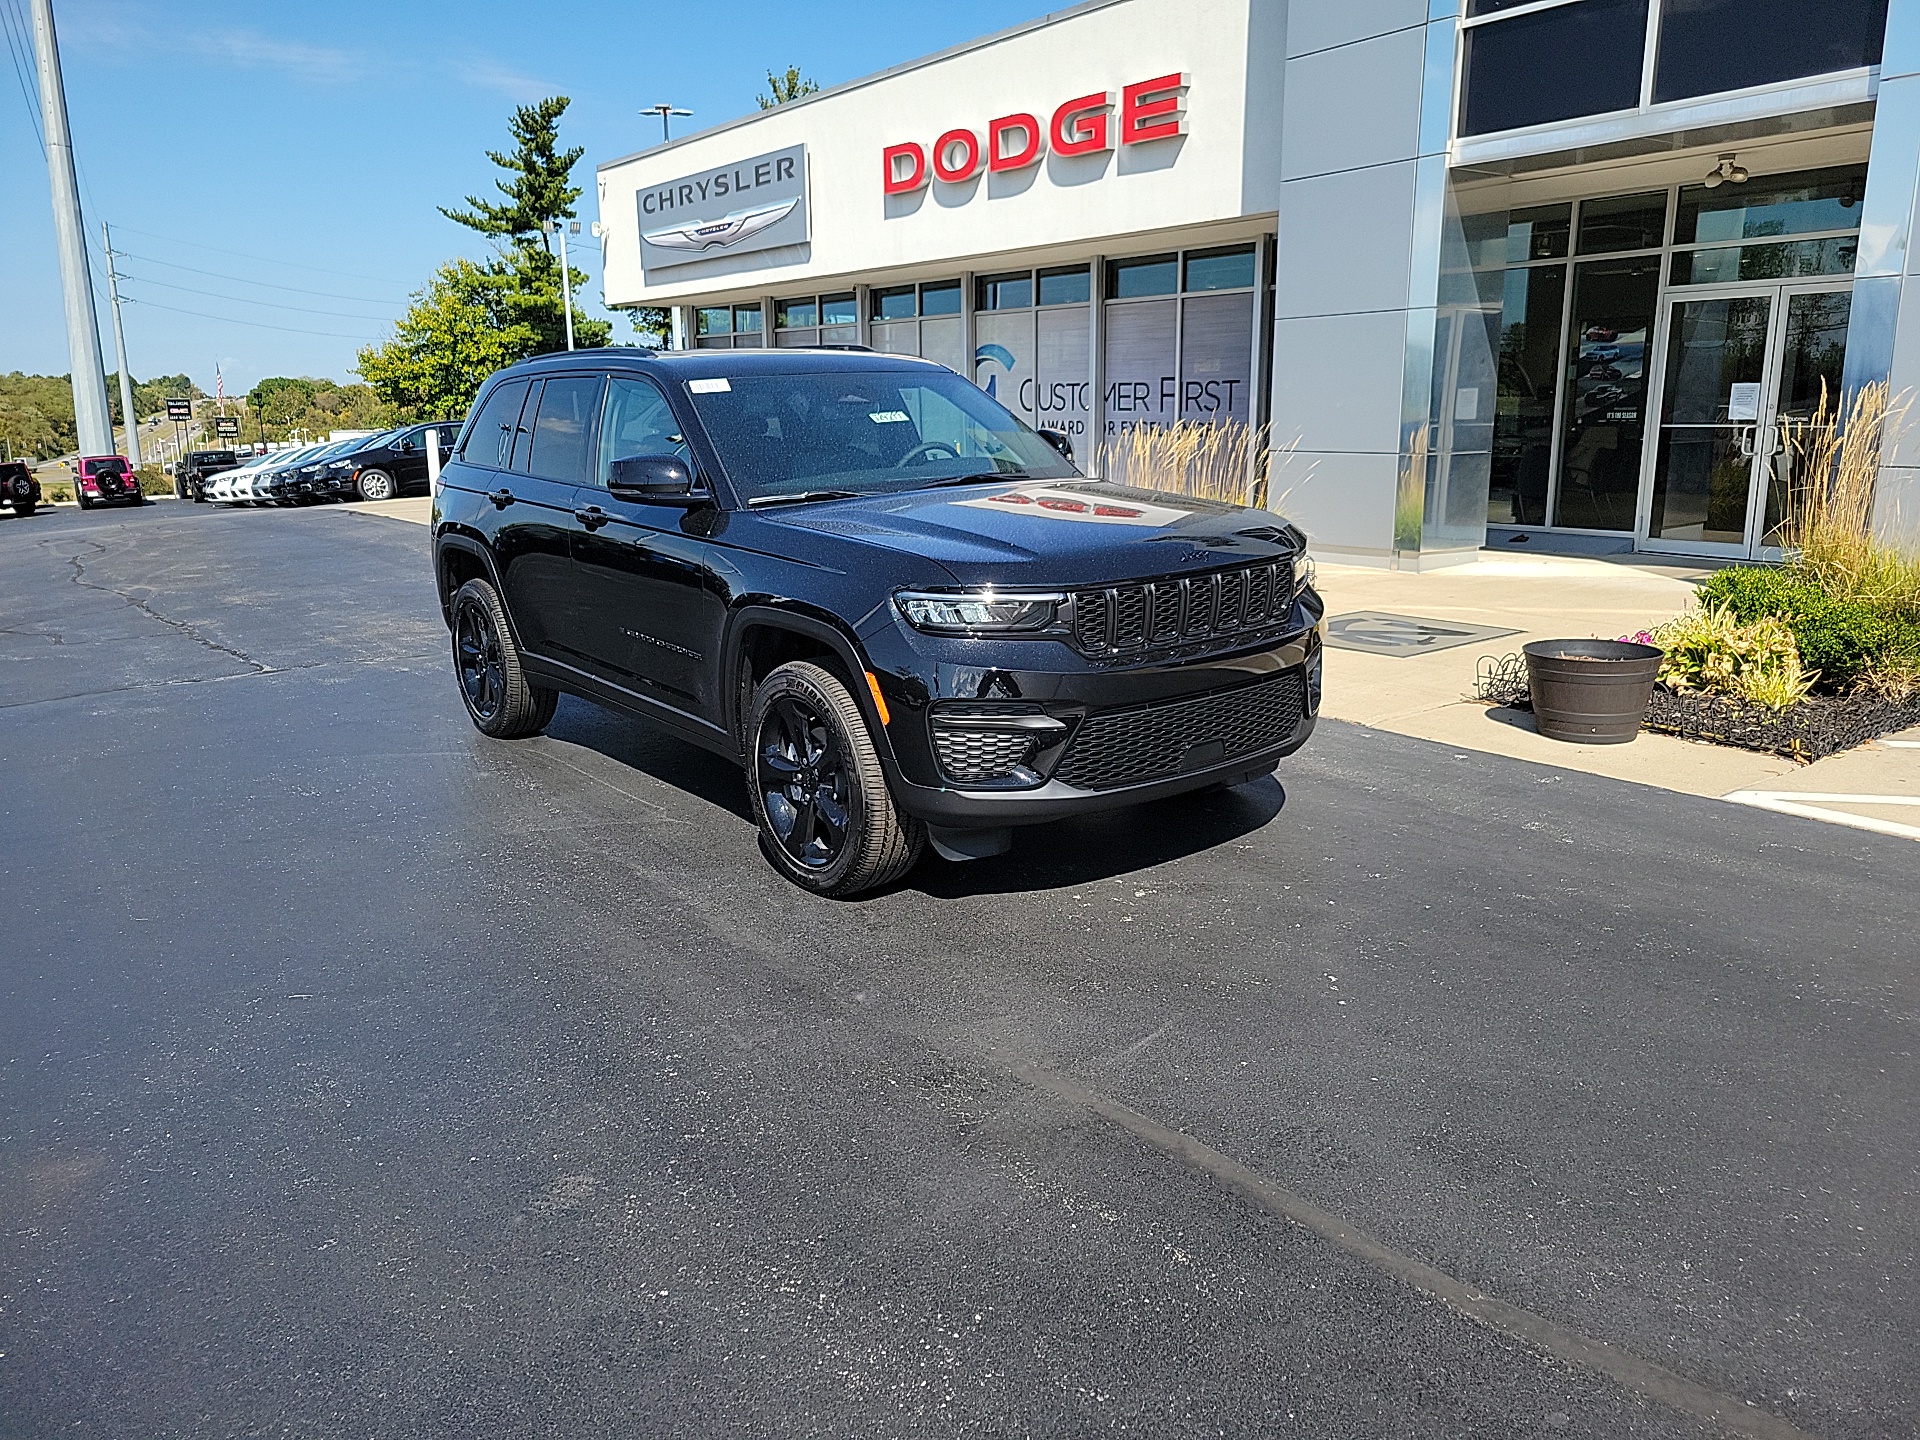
(220, 389)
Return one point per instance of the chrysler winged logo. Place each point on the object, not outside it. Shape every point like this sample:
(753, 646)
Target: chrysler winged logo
(719, 234)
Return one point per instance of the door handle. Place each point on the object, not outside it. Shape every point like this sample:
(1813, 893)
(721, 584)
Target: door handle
(592, 516)
(501, 498)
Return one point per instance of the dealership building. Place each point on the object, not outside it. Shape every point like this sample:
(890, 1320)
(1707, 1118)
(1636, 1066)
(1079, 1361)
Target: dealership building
(1571, 274)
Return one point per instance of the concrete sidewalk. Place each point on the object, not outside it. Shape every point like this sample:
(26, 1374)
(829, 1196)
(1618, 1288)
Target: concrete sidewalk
(1429, 695)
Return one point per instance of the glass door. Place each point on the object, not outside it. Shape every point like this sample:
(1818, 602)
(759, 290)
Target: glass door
(1742, 375)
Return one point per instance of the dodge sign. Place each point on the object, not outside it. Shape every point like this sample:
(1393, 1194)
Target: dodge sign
(757, 204)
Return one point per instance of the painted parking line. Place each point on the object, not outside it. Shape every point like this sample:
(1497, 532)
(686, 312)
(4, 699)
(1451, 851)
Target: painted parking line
(1812, 805)
(1902, 744)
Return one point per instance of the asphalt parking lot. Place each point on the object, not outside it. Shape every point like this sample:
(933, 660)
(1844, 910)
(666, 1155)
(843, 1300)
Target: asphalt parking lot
(364, 1077)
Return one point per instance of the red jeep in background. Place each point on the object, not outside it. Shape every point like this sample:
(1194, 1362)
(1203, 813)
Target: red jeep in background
(105, 480)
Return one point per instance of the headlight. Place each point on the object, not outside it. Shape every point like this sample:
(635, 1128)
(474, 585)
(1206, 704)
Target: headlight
(973, 612)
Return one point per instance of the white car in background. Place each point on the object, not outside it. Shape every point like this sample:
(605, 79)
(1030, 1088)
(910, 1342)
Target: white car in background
(234, 487)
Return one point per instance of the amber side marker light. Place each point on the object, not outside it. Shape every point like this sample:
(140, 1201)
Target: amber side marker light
(879, 700)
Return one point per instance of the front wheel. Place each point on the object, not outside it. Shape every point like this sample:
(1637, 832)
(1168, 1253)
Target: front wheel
(827, 820)
(23, 507)
(500, 700)
(376, 485)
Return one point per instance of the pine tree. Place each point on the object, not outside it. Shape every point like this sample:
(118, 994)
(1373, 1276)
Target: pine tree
(538, 186)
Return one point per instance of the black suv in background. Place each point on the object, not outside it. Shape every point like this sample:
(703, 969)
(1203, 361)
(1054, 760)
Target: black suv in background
(908, 616)
(394, 463)
(191, 474)
(18, 488)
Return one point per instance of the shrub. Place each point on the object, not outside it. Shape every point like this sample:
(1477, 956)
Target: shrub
(1847, 639)
(1713, 649)
(153, 480)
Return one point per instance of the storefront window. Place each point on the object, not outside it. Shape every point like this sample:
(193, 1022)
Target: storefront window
(1623, 222)
(897, 303)
(940, 299)
(1148, 275)
(839, 309)
(1786, 260)
(1606, 369)
(1069, 285)
(1554, 64)
(1004, 292)
(1529, 372)
(794, 314)
(1710, 46)
(1227, 269)
(1806, 202)
(714, 320)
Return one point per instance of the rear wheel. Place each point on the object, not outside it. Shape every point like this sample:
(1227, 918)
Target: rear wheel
(500, 699)
(376, 485)
(827, 820)
(23, 507)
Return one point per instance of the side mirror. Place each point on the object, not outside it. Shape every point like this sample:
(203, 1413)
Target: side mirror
(651, 479)
(1058, 440)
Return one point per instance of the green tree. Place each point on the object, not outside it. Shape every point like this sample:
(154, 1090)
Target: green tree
(539, 179)
(652, 320)
(790, 86)
(471, 320)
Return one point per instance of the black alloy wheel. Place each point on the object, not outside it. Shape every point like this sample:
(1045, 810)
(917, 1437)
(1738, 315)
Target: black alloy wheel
(500, 700)
(803, 784)
(827, 819)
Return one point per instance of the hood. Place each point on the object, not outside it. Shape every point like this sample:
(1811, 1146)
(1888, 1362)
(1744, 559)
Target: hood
(1047, 532)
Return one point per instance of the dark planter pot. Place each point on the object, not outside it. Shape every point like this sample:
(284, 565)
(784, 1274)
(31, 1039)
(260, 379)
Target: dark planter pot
(1593, 692)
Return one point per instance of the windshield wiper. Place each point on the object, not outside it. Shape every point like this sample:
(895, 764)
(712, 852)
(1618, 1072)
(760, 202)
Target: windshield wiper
(801, 497)
(977, 479)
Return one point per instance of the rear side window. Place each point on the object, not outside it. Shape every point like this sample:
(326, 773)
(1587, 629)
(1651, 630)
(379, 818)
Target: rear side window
(564, 429)
(490, 442)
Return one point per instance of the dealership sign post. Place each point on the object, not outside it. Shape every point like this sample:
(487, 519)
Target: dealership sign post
(739, 209)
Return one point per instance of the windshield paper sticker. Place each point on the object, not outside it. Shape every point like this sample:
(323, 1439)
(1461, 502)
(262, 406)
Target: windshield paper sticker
(709, 387)
(1047, 503)
(888, 417)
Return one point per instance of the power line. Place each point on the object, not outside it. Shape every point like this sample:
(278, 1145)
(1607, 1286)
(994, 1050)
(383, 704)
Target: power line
(247, 300)
(10, 17)
(237, 280)
(230, 320)
(263, 259)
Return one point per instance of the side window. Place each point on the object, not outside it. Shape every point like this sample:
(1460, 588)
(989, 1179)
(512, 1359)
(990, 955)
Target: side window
(490, 440)
(638, 421)
(564, 429)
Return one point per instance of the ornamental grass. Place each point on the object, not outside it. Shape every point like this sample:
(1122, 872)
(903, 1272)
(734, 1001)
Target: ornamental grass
(1225, 461)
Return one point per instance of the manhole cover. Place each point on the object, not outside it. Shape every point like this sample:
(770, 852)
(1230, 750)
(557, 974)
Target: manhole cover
(1379, 633)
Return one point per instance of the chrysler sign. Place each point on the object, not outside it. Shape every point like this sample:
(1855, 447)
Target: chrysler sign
(738, 209)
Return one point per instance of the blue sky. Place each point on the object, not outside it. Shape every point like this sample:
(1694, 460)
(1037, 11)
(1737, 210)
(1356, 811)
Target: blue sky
(279, 165)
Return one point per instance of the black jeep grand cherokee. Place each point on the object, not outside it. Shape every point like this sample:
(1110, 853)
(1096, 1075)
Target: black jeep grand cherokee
(899, 608)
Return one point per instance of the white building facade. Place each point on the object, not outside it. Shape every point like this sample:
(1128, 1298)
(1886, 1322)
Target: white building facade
(1488, 272)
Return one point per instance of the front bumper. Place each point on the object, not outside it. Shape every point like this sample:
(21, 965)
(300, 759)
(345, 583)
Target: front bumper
(1108, 706)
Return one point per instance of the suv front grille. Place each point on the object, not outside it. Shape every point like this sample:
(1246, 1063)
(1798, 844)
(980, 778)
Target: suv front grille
(1153, 742)
(1203, 611)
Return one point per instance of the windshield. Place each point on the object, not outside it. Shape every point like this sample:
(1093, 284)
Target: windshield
(865, 431)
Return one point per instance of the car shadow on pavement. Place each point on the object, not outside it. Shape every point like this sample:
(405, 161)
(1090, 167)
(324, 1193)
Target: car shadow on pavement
(651, 751)
(1044, 857)
(1100, 847)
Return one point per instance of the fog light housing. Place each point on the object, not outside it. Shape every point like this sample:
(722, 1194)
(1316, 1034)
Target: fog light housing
(992, 746)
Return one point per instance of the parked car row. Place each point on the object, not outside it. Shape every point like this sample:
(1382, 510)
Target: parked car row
(367, 467)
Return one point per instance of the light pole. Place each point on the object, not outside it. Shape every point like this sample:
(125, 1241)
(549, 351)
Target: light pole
(91, 417)
(560, 228)
(663, 110)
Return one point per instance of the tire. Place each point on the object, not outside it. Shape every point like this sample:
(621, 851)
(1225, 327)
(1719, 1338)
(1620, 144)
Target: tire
(810, 757)
(24, 507)
(500, 700)
(80, 497)
(375, 485)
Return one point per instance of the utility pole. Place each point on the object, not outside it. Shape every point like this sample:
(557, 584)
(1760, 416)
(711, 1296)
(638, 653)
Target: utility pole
(120, 354)
(91, 417)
